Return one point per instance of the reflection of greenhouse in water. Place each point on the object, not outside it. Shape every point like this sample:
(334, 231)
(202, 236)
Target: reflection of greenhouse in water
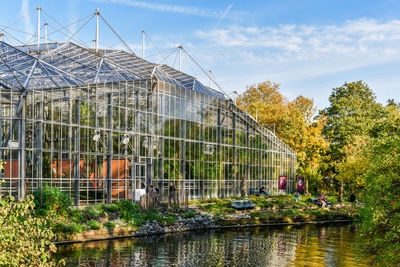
(100, 124)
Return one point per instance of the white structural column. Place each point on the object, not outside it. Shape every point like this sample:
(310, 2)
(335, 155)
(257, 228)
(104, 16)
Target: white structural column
(38, 27)
(180, 57)
(97, 30)
(143, 43)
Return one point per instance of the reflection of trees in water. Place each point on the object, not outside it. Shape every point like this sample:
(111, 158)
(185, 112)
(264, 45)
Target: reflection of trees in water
(299, 246)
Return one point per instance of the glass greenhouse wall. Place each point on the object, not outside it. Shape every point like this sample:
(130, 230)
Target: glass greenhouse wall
(100, 141)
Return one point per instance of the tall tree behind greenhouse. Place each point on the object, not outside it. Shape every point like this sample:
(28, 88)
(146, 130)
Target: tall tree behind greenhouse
(294, 122)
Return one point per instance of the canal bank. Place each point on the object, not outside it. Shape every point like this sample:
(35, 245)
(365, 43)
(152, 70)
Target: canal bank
(213, 214)
(153, 229)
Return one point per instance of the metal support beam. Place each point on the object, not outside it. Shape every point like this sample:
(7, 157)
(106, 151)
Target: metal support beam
(77, 167)
(180, 57)
(218, 145)
(248, 153)
(201, 181)
(143, 43)
(98, 70)
(234, 146)
(22, 154)
(109, 149)
(97, 30)
(38, 27)
(183, 156)
(160, 159)
(40, 162)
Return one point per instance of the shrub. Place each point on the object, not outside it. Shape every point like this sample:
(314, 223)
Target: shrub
(76, 216)
(379, 231)
(51, 201)
(127, 209)
(93, 225)
(169, 219)
(119, 222)
(68, 229)
(109, 225)
(111, 208)
(25, 241)
(94, 212)
(137, 221)
(189, 214)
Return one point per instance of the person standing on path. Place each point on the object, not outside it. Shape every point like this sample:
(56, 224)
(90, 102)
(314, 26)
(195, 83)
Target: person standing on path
(171, 194)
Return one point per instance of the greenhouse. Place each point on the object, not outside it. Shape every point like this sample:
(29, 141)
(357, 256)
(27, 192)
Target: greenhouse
(101, 124)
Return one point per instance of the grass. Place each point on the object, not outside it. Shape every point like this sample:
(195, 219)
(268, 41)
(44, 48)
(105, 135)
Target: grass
(67, 222)
(280, 208)
(109, 225)
(189, 214)
(123, 213)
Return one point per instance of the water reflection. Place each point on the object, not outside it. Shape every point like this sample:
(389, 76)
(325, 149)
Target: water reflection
(308, 245)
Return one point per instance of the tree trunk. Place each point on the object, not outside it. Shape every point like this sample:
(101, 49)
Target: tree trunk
(340, 197)
(306, 187)
(243, 191)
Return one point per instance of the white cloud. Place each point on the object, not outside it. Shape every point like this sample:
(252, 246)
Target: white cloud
(26, 13)
(186, 10)
(305, 59)
(363, 36)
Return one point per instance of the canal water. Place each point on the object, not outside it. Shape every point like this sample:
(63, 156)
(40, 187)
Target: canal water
(307, 245)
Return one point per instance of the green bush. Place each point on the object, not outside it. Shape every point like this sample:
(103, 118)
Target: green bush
(137, 221)
(25, 240)
(109, 225)
(111, 208)
(51, 201)
(169, 219)
(94, 212)
(93, 225)
(127, 209)
(68, 229)
(76, 216)
(189, 214)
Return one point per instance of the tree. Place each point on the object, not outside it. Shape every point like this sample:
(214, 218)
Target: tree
(351, 116)
(380, 216)
(352, 112)
(265, 102)
(295, 124)
(351, 170)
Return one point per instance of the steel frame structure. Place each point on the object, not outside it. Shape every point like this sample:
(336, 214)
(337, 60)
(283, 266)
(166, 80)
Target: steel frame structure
(100, 125)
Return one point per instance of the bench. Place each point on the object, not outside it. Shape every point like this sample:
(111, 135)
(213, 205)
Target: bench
(242, 204)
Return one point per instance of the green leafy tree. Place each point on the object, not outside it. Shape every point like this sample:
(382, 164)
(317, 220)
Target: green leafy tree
(351, 116)
(380, 216)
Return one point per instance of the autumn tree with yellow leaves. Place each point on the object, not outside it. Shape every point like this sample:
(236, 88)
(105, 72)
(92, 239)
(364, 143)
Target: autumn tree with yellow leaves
(294, 122)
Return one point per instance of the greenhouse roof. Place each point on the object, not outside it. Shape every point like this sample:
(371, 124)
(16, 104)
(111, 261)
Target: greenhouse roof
(67, 64)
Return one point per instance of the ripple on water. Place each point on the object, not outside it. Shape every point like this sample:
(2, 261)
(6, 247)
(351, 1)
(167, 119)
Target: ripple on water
(309, 245)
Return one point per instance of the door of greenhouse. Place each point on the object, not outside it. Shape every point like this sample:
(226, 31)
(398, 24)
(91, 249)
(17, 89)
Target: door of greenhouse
(139, 176)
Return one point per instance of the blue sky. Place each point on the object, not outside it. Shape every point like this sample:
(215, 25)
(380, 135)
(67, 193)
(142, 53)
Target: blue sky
(309, 46)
